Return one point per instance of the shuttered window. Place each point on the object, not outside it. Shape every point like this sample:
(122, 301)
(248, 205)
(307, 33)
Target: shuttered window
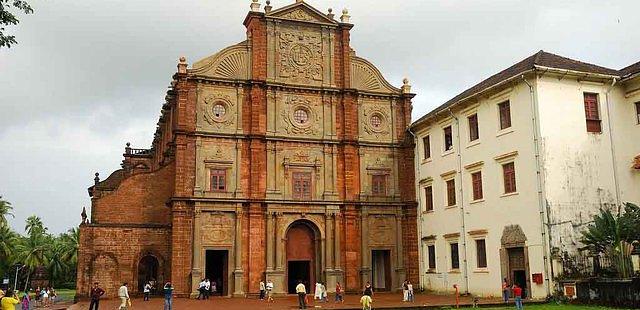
(481, 253)
(638, 112)
(451, 193)
(592, 113)
(455, 257)
(302, 185)
(476, 179)
(505, 114)
(448, 138)
(474, 133)
(428, 198)
(426, 146)
(218, 180)
(509, 174)
(432, 256)
(379, 185)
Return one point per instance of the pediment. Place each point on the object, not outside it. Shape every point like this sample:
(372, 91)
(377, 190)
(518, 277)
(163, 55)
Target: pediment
(302, 12)
(230, 63)
(366, 77)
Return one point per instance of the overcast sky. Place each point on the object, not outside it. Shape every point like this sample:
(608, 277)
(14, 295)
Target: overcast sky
(88, 76)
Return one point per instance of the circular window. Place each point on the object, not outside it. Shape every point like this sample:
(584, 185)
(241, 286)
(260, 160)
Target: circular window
(219, 110)
(301, 116)
(376, 121)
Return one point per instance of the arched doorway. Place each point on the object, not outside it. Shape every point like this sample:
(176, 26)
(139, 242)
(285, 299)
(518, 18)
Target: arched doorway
(302, 251)
(147, 271)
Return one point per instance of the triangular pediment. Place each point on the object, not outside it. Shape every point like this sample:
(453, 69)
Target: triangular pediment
(301, 11)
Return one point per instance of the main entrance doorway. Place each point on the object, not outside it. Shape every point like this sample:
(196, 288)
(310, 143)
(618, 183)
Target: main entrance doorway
(302, 246)
(216, 270)
(381, 270)
(517, 268)
(147, 271)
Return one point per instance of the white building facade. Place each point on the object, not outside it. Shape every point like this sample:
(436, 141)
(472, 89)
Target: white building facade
(511, 171)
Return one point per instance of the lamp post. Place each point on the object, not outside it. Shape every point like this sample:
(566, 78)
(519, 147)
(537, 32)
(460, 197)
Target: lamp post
(15, 282)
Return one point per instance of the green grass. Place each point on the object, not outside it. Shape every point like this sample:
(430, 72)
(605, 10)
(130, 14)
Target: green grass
(554, 307)
(66, 295)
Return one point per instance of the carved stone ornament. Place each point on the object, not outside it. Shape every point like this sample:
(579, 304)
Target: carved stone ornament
(218, 110)
(217, 228)
(299, 104)
(513, 235)
(376, 121)
(301, 56)
(381, 230)
(299, 14)
(219, 154)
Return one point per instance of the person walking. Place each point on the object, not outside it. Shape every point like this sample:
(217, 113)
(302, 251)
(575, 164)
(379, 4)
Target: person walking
(25, 301)
(318, 291)
(201, 286)
(410, 296)
(9, 301)
(366, 302)
(517, 294)
(123, 293)
(302, 294)
(262, 290)
(168, 296)
(96, 293)
(368, 290)
(339, 293)
(207, 288)
(405, 291)
(505, 291)
(147, 291)
(269, 288)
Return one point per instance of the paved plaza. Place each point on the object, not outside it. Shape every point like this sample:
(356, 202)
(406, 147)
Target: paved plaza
(381, 301)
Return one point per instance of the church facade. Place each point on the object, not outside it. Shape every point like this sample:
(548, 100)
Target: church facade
(283, 157)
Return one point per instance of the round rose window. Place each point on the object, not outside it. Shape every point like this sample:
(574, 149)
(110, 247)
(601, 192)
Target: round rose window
(219, 110)
(300, 116)
(376, 121)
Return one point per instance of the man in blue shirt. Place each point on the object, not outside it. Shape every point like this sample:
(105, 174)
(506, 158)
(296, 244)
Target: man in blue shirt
(168, 296)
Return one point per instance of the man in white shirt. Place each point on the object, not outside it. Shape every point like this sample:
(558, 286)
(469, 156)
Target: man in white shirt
(147, 291)
(269, 288)
(262, 290)
(207, 288)
(302, 293)
(201, 286)
(123, 293)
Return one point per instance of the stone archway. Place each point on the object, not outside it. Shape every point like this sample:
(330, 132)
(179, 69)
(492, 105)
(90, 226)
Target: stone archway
(302, 255)
(514, 258)
(148, 271)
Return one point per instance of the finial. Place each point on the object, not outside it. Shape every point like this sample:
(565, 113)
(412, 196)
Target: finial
(97, 178)
(182, 65)
(268, 7)
(84, 215)
(406, 87)
(345, 16)
(255, 6)
(299, 1)
(330, 15)
(128, 144)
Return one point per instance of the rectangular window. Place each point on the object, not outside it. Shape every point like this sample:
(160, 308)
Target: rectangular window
(428, 198)
(301, 185)
(476, 180)
(426, 145)
(432, 256)
(481, 253)
(379, 185)
(455, 258)
(505, 115)
(448, 138)
(451, 193)
(218, 180)
(638, 112)
(474, 133)
(509, 174)
(592, 113)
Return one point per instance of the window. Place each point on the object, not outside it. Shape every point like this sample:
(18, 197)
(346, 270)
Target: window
(379, 185)
(218, 180)
(509, 174)
(481, 253)
(474, 134)
(219, 110)
(455, 258)
(302, 185)
(301, 116)
(476, 180)
(428, 198)
(426, 145)
(448, 138)
(451, 193)
(505, 115)
(431, 249)
(376, 121)
(638, 112)
(591, 113)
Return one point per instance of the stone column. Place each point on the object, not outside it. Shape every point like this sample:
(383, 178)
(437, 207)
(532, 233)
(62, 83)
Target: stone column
(197, 270)
(270, 238)
(400, 272)
(337, 238)
(238, 273)
(277, 274)
(329, 240)
(365, 253)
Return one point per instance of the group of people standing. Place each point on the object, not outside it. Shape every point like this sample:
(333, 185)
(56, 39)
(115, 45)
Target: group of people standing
(206, 288)
(407, 291)
(517, 293)
(44, 297)
(125, 300)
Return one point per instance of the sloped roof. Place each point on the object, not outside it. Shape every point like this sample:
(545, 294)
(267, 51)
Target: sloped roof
(631, 70)
(539, 59)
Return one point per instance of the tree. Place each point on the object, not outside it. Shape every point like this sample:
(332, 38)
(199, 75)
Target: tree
(34, 224)
(5, 207)
(9, 18)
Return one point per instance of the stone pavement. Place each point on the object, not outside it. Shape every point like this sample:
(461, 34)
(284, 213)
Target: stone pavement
(381, 301)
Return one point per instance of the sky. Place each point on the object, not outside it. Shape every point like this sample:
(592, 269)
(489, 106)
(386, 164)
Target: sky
(88, 76)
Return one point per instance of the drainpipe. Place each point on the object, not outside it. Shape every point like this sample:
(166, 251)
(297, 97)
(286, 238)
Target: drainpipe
(546, 236)
(416, 155)
(462, 217)
(613, 148)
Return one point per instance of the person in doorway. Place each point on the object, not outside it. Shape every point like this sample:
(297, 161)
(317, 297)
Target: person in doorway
(302, 294)
(262, 290)
(207, 288)
(214, 288)
(269, 288)
(168, 296)
(517, 295)
(339, 293)
(366, 301)
(405, 291)
(123, 294)
(505, 291)
(9, 301)
(147, 291)
(410, 296)
(368, 290)
(96, 293)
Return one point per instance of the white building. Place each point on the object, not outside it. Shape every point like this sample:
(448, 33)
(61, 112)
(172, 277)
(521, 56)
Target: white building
(512, 170)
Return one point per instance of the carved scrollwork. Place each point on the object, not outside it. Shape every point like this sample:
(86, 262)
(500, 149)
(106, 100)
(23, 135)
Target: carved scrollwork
(294, 125)
(301, 56)
(218, 110)
(298, 15)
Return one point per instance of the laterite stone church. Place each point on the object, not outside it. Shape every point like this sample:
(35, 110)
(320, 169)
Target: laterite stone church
(283, 157)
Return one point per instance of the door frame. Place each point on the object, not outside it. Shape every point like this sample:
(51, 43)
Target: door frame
(229, 278)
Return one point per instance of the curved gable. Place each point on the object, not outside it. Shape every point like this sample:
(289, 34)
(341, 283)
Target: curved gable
(230, 63)
(366, 77)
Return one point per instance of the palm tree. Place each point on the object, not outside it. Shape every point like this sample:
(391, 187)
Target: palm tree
(57, 265)
(5, 210)
(69, 242)
(34, 225)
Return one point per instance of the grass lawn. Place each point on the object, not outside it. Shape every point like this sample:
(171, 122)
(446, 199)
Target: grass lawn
(554, 307)
(66, 295)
